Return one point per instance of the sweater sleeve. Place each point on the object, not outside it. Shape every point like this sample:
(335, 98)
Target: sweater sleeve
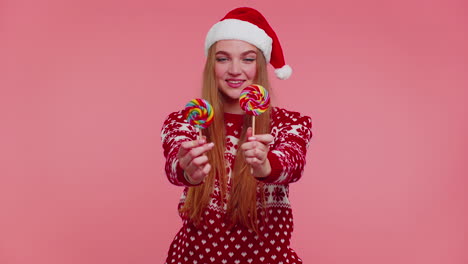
(287, 155)
(175, 130)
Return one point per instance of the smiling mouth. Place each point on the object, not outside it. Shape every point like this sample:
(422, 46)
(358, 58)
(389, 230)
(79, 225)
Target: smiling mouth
(234, 83)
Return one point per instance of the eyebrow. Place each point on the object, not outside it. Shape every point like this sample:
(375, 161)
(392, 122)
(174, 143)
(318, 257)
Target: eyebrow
(242, 54)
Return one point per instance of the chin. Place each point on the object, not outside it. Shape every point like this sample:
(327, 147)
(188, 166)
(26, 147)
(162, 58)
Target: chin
(231, 96)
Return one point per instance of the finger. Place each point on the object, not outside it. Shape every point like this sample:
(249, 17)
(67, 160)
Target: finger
(196, 164)
(263, 138)
(257, 162)
(260, 155)
(249, 145)
(185, 159)
(191, 170)
(260, 147)
(206, 169)
(251, 153)
(193, 143)
(188, 145)
(253, 161)
(249, 132)
(198, 151)
(200, 161)
(199, 174)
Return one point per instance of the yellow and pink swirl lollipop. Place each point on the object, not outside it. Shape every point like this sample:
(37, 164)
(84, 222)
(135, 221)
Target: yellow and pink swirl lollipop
(199, 113)
(254, 100)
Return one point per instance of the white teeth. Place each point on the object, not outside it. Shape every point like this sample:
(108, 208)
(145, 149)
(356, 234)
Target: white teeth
(234, 81)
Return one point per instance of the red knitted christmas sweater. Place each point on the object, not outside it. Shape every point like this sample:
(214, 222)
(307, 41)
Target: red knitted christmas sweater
(213, 241)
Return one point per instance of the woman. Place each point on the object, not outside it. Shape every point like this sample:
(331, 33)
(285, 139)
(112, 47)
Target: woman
(235, 205)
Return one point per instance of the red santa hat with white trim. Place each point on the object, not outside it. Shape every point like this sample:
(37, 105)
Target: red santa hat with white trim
(249, 25)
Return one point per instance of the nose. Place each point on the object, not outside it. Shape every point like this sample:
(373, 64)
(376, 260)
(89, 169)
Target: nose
(235, 68)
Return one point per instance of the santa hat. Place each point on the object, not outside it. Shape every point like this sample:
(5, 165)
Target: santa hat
(249, 25)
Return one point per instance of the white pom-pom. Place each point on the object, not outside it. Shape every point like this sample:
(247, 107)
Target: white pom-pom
(284, 72)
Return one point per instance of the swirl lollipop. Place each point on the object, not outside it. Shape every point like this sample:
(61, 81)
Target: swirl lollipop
(254, 100)
(199, 113)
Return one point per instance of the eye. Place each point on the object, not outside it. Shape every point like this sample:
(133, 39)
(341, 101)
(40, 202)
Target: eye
(221, 59)
(249, 60)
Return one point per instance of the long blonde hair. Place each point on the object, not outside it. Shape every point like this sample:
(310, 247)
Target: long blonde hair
(242, 202)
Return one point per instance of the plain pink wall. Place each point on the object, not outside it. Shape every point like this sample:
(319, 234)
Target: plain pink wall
(85, 86)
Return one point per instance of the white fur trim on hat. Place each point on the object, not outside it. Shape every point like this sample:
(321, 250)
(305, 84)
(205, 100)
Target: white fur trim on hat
(240, 30)
(284, 72)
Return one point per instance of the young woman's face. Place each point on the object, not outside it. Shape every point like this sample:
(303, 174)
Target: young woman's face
(235, 67)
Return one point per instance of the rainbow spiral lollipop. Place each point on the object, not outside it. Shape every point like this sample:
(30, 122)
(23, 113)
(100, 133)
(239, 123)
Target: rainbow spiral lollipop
(254, 99)
(199, 113)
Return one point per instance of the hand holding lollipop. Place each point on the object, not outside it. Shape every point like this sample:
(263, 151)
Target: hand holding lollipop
(254, 100)
(192, 158)
(199, 113)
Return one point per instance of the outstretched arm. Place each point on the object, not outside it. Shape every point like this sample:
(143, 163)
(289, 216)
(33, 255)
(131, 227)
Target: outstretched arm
(186, 162)
(287, 155)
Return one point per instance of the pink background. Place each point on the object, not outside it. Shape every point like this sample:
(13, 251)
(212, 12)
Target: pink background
(85, 86)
